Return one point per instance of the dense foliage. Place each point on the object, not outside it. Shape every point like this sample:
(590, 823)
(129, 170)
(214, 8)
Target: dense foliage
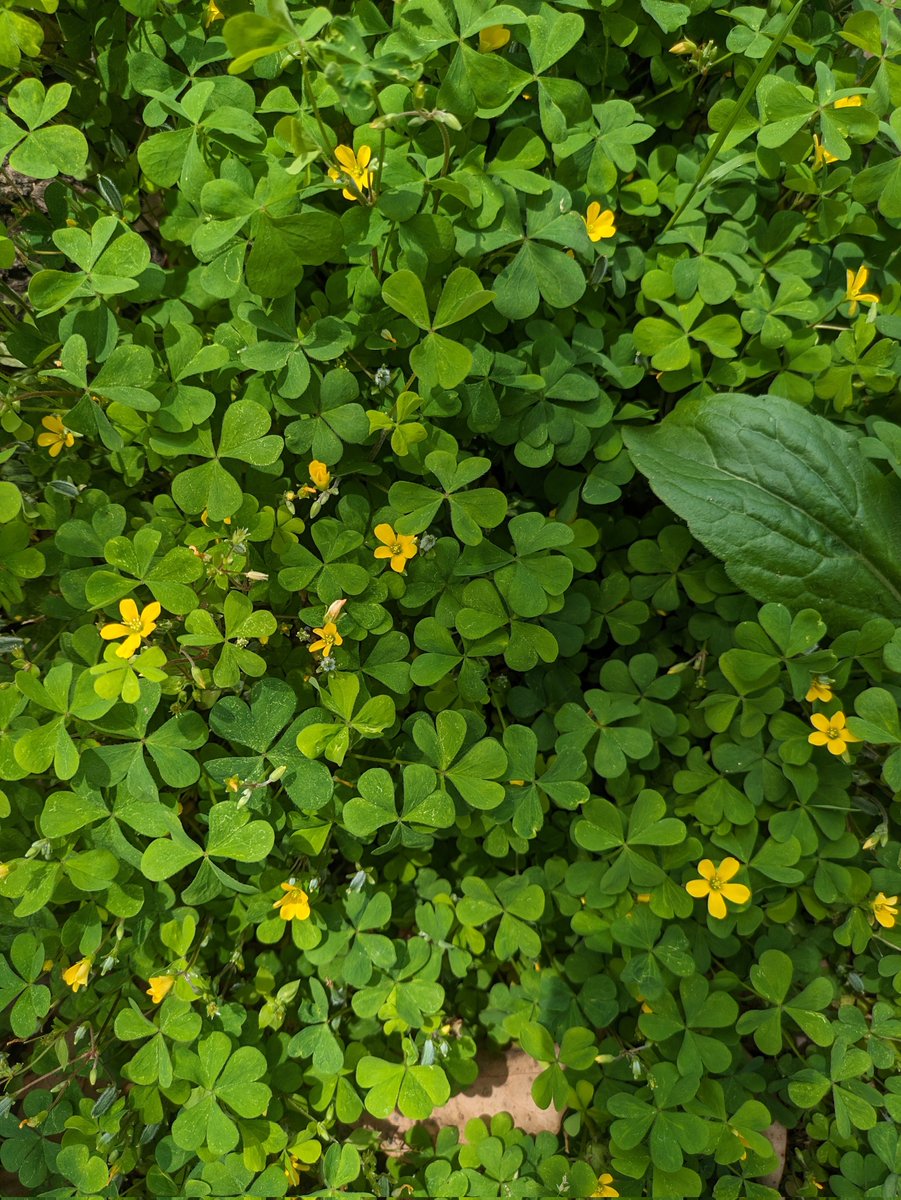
(450, 578)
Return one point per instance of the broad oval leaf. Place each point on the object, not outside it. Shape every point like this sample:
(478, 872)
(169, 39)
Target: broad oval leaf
(785, 499)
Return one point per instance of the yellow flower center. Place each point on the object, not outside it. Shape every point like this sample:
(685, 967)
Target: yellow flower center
(396, 549)
(716, 883)
(136, 626)
(833, 732)
(329, 639)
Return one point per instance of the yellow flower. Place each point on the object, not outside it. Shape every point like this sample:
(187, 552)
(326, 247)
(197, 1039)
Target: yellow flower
(294, 903)
(134, 627)
(849, 102)
(329, 637)
(885, 910)
(76, 976)
(292, 1170)
(396, 546)
(354, 166)
(854, 291)
(686, 46)
(821, 155)
(320, 474)
(58, 437)
(233, 784)
(160, 987)
(213, 13)
(820, 689)
(604, 1189)
(831, 732)
(599, 224)
(714, 884)
(494, 37)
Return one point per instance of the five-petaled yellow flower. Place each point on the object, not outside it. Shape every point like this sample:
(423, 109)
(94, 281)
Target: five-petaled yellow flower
(76, 976)
(849, 102)
(328, 638)
(854, 292)
(820, 689)
(831, 732)
(604, 1189)
(134, 626)
(885, 910)
(57, 438)
(600, 224)
(397, 546)
(294, 903)
(494, 37)
(160, 987)
(353, 166)
(716, 886)
(821, 156)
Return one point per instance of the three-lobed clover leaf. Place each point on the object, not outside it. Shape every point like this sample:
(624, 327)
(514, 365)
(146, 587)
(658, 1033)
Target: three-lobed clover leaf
(438, 360)
(771, 978)
(29, 1000)
(242, 623)
(243, 438)
(471, 510)
(425, 809)
(227, 1083)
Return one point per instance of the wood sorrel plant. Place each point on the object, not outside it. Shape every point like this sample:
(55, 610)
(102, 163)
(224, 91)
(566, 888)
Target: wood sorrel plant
(450, 589)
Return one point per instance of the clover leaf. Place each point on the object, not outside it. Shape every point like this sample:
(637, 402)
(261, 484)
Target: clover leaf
(437, 360)
(243, 437)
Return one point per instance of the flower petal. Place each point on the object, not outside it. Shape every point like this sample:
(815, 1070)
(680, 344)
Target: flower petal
(152, 611)
(129, 646)
(716, 905)
(108, 632)
(728, 869)
(817, 739)
(697, 888)
(128, 610)
(346, 157)
(382, 552)
(706, 868)
(819, 721)
(736, 893)
(836, 745)
(364, 155)
(385, 533)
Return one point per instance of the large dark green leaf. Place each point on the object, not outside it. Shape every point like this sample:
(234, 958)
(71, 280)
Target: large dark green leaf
(785, 498)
